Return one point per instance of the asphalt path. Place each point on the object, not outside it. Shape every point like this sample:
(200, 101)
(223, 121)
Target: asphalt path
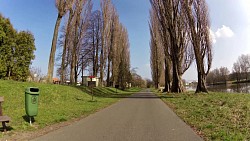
(141, 117)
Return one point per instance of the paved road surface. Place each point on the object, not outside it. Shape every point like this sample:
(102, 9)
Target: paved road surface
(142, 117)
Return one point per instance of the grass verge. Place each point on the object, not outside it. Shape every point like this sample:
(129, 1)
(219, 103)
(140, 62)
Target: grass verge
(57, 103)
(215, 116)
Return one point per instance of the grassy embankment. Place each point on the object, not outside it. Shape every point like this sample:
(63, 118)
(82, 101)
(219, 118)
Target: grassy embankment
(216, 116)
(57, 103)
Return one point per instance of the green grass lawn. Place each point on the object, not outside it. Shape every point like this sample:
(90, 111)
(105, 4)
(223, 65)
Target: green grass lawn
(217, 116)
(57, 103)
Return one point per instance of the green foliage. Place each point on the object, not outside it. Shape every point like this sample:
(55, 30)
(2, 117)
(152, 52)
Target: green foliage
(16, 51)
(24, 53)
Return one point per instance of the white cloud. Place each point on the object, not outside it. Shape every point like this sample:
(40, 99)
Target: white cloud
(223, 32)
(212, 36)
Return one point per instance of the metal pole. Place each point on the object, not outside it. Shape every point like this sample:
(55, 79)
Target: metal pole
(92, 94)
(30, 121)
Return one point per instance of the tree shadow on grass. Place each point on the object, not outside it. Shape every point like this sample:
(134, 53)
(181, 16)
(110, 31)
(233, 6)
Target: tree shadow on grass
(111, 93)
(166, 97)
(9, 128)
(104, 92)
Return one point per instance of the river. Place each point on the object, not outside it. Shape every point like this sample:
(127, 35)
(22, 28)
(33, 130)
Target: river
(229, 88)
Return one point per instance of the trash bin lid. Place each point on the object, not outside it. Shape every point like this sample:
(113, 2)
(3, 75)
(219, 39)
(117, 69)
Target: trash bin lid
(32, 90)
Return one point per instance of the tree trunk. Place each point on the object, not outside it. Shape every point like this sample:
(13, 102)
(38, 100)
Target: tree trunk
(73, 72)
(53, 50)
(108, 73)
(95, 53)
(76, 71)
(246, 75)
(82, 71)
(177, 85)
(72, 67)
(8, 73)
(167, 75)
(94, 62)
(201, 86)
(101, 66)
(63, 66)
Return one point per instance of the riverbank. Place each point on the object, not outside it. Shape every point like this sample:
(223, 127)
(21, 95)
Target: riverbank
(239, 82)
(229, 82)
(215, 116)
(57, 104)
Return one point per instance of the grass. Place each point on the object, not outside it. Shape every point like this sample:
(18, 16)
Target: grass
(57, 103)
(216, 116)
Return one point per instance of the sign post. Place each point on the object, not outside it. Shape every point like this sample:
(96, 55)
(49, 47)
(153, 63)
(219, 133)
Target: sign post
(92, 84)
(116, 86)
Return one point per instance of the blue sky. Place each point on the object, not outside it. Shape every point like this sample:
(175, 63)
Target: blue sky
(230, 29)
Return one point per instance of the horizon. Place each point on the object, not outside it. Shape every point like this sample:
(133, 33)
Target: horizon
(230, 35)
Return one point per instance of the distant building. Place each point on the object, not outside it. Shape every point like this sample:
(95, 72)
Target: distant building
(56, 81)
(85, 80)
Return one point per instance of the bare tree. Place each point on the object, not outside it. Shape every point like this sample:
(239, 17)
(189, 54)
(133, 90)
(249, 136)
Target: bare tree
(66, 43)
(94, 33)
(36, 74)
(82, 56)
(96, 40)
(120, 56)
(175, 38)
(137, 80)
(158, 10)
(81, 15)
(244, 61)
(156, 51)
(73, 39)
(106, 7)
(224, 73)
(237, 71)
(62, 7)
(116, 50)
(218, 76)
(104, 47)
(197, 15)
(112, 43)
(76, 34)
(211, 78)
(124, 66)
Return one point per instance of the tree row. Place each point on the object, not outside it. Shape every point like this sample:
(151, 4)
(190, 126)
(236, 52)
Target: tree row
(90, 40)
(179, 35)
(240, 72)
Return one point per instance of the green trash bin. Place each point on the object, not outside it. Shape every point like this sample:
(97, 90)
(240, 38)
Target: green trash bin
(31, 101)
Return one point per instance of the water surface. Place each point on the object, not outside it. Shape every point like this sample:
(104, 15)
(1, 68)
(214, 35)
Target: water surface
(228, 88)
